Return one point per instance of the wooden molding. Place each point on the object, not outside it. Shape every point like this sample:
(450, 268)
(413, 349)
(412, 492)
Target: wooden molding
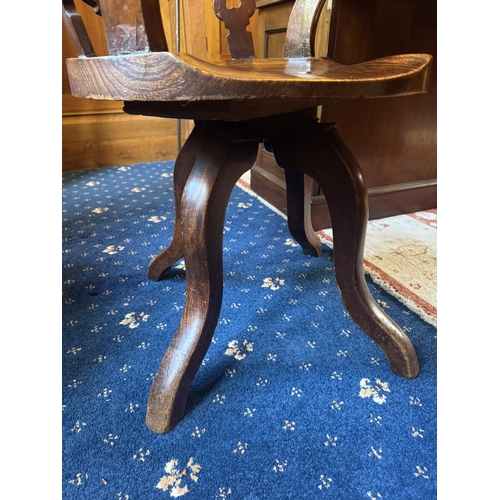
(384, 201)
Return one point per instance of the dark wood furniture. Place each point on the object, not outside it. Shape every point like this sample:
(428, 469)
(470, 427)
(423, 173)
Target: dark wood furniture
(394, 140)
(236, 105)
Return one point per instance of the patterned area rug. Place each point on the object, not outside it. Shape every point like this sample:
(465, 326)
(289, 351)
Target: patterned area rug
(292, 401)
(401, 256)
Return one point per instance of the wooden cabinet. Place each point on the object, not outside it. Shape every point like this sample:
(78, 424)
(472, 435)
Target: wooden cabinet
(394, 139)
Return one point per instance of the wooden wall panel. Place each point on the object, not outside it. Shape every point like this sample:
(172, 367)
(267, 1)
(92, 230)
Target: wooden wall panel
(98, 133)
(92, 140)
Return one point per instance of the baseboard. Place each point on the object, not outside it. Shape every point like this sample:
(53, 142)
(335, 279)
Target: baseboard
(103, 135)
(384, 201)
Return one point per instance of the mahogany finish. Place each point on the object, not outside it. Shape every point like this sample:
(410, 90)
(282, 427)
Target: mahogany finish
(396, 142)
(231, 104)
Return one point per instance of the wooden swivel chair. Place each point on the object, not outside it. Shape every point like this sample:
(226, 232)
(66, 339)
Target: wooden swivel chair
(236, 105)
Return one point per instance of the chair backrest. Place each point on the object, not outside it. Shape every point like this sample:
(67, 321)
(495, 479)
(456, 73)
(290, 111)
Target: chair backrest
(236, 20)
(301, 30)
(135, 26)
(130, 26)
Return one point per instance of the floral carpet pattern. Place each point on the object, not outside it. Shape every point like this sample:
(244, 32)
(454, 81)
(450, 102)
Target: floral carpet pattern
(292, 400)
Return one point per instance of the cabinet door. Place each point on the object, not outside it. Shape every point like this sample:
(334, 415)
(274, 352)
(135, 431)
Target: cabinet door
(272, 24)
(394, 139)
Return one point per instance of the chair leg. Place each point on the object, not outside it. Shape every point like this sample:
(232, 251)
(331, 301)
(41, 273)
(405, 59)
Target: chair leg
(218, 166)
(160, 266)
(326, 158)
(298, 203)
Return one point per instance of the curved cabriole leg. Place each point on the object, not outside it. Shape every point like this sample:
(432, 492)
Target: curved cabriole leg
(298, 208)
(327, 159)
(160, 266)
(219, 165)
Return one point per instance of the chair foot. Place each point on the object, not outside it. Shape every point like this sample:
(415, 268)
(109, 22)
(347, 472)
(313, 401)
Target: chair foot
(338, 173)
(218, 166)
(160, 266)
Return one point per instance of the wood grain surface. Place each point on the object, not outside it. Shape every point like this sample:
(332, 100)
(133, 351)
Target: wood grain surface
(166, 76)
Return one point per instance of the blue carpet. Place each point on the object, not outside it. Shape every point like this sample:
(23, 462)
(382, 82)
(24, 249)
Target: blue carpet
(292, 401)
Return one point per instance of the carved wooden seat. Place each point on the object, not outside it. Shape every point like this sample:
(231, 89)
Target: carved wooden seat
(236, 105)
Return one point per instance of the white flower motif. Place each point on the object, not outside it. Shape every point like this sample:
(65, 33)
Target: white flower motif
(141, 455)
(112, 249)
(241, 448)
(374, 391)
(273, 284)
(237, 351)
(421, 472)
(280, 467)
(157, 218)
(375, 453)
(198, 432)
(175, 477)
(330, 441)
(223, 493)
(134, 321)
(325, 482)
(417, 432)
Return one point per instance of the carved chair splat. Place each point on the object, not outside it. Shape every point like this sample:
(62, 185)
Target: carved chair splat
(236, 105)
